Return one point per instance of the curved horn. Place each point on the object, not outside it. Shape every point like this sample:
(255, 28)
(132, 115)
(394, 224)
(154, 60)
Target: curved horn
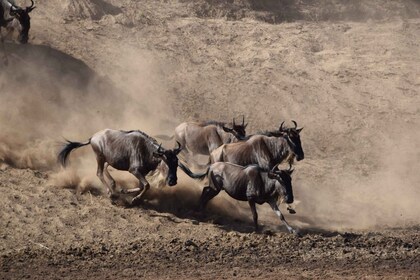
(281, 127)
(275, 167)
(243, 120)
(178, 150)
(32, 4)
(159, 150)
(294, 123)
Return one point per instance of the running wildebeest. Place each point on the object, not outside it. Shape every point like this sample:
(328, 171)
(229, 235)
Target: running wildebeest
(132, 151)
(265, 151)
(250, 183)
(204, 137)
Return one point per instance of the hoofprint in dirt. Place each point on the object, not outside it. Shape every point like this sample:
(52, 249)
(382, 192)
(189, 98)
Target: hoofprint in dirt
(49, 232)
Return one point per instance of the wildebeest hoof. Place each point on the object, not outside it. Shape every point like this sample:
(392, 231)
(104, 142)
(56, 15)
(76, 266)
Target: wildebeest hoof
(296, 233)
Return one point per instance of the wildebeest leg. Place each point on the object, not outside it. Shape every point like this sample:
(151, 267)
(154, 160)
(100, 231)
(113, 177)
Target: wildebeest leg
(109, 177)
(100, 173)
(207, 194)
(143, 184)
(254, 213)
(273, 205)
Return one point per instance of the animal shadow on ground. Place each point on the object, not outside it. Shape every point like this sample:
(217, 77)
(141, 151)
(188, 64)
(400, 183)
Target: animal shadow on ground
(182, 204)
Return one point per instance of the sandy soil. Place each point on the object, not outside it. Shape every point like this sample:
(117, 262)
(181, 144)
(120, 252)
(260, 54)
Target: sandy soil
(348, 73)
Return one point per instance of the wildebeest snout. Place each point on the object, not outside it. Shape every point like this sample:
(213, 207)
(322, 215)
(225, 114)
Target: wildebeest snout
(300, 156)
(289, 199)
(23, 39)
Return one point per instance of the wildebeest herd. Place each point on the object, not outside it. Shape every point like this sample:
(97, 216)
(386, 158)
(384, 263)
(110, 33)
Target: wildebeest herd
(245, 166)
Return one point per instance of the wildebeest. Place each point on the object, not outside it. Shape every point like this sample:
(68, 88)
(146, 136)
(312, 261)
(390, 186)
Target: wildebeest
(250, 183)
(9, 12)
(264, 150)
(133, 151)
(201, 138)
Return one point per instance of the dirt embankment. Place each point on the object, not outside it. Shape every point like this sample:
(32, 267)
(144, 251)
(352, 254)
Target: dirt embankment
(346, 72)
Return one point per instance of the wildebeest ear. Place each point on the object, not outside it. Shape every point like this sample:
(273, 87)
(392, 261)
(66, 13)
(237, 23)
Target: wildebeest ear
(299, 129)
(29, 9)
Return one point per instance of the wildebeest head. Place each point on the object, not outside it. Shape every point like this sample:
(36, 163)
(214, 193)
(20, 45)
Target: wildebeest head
(170, 157)
(22, 15)
(293, 138)
(284, 178)
(238, 130)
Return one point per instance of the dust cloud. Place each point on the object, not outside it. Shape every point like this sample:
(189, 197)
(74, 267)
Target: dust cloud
(48, 96)
(346, 199)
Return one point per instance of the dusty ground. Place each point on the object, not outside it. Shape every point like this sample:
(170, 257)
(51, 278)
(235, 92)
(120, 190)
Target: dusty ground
(348, 73)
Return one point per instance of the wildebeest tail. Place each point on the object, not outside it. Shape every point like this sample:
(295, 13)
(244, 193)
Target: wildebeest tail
(64, 153)
(164, 137)
(187, 171)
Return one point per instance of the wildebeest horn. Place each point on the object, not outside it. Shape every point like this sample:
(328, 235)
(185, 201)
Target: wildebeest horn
(233, 122)
(178, 150)
(294, 123)
(243, 120)
(275, 167)
(31, 7)
(159, 150)
(281, 127)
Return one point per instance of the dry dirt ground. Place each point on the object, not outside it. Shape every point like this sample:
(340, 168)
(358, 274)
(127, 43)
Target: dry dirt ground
(348, 72)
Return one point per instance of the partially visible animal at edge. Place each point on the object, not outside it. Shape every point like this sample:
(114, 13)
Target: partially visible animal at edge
(265, 151)
(250, 183)
(201, 138)
(133, 151)
(14, 17)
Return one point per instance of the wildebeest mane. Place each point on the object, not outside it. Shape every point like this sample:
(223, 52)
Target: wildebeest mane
(143, 134)
(271, 133)
(211, 122)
